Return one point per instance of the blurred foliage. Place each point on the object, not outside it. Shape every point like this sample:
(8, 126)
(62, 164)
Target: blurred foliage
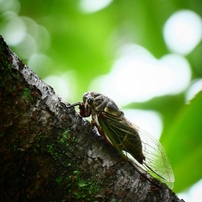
(87, 43)
(185, 143)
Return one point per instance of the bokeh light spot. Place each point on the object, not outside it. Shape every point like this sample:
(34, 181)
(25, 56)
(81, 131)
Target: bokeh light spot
(138, 76)
(63, 84)
(196, 87)
(13, 29)
(147, 120)
(183, 31)
(89, 6)
(39, 61)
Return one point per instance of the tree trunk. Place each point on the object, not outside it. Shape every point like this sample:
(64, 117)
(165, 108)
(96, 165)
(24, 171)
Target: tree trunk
(48, 152)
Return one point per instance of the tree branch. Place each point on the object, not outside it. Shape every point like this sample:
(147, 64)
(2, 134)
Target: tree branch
(47, 152)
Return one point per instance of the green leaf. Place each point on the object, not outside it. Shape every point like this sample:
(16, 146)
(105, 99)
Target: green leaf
(183, 144)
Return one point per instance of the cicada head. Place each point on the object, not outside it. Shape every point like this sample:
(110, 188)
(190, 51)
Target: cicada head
(86, 106)
(85, 110)
(92, 99)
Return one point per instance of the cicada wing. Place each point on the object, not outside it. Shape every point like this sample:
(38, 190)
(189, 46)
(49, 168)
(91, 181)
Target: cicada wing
(156, 161)
(111, 134)
(122, 135)
(147, 152)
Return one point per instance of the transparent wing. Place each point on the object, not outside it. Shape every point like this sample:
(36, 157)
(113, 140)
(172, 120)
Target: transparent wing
(156, 161)
(147, 152)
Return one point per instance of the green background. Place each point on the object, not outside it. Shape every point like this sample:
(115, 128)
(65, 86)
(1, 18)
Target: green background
(87, 42)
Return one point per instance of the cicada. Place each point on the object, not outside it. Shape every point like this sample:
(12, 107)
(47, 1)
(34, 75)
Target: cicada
(128, 139)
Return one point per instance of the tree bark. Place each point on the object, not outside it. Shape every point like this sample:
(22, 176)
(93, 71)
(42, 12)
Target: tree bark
(48, 152)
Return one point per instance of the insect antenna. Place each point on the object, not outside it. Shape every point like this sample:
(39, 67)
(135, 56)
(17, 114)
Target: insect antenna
(75, 104)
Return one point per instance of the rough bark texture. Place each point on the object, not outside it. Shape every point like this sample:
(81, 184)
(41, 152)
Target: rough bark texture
(47, 152)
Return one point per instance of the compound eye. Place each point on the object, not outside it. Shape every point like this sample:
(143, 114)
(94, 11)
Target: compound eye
(90, 100)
